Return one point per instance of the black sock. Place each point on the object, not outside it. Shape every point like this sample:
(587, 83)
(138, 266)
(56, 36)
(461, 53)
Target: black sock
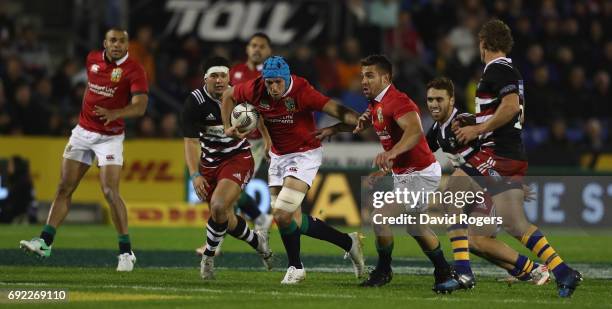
(243, 232)
(214, 234)
(318, 229)
(436, 256)
(248, 205)
(291, 240)
(384, 256)
(48, 234)
(125, 246)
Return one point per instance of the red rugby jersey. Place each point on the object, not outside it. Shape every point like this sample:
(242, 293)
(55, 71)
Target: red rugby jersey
(395, 104)
(110, 85)
(289, 120)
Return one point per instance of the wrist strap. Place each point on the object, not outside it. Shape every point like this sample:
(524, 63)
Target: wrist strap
(195, 174)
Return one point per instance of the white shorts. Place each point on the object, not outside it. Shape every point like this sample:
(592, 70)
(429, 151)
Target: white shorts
(84, 146)
(258, 150)
(425, 180)
(301, 165)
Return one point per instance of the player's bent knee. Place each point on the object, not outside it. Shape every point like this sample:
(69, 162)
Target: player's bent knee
(289, 200)
(110, 194)
(282, 218)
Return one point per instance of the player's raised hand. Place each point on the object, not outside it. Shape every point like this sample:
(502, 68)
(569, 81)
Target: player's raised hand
(363, 122)
(200, 186)
(234, 133)
(326, 132)
(107, 115)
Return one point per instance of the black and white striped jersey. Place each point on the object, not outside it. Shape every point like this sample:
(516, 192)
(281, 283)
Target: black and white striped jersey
(441, 135)
(201, 118)
(501, 78)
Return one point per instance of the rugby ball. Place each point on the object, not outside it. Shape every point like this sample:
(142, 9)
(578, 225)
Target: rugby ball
(244, 117)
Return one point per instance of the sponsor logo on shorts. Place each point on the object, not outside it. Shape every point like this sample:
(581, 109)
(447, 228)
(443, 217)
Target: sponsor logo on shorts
(293, 169)
(110, 157)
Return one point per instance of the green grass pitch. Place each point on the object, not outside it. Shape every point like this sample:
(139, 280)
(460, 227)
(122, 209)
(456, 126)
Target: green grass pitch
(167, 273)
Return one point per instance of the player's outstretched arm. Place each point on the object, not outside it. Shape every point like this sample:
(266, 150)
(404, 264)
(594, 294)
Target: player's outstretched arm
(508, 108)
(136, 109)
(344, 114)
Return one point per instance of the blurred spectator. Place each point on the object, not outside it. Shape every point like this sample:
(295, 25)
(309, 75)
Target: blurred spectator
(169, 126)
(175, 83)
(384, 13)
(27, 117)
(602, 99)
(593, 141)
(63, 79)
(14, 75)
(523, 35)
(33, 53)
(541, 99)
(404, 40)
(7, 29)
(146, 127)
(327, 66)
(349, 66)
(5, 117)
(301, 64)
(577, 97)
(142, 48)
(547, 154)
(462, 38)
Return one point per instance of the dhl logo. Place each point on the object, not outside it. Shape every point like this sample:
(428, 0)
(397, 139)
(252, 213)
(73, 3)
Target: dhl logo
(144, 171)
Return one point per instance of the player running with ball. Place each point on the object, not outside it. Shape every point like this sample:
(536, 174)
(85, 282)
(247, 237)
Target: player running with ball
(222, 170)
(286, 103)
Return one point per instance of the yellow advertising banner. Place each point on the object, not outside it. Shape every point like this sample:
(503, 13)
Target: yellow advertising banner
(153, 170)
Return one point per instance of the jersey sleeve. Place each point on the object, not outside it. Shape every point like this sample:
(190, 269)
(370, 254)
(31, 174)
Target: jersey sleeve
(401, 107)
(312, 99)
(189, 118)
(432, 141)
(243, 92)
(503, 78)
(139, 84)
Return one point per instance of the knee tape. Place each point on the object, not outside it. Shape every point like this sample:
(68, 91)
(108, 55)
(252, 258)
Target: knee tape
(289, 200)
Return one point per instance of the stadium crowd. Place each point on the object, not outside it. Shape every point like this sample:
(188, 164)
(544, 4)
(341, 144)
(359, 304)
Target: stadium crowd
(563, 49)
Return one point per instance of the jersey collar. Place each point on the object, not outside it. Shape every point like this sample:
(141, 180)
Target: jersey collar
(211, 97)
(288, 89)
(381, 95)
(498, 58)
(118, 62)
(448, 121)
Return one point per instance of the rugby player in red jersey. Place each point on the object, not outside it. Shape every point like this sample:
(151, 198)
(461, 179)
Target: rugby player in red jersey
(395, 118)
(223, 168)
(286, 103)
(116, 88)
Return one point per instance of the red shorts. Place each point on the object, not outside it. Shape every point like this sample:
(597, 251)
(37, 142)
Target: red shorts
(495, 173)
(237, 168)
